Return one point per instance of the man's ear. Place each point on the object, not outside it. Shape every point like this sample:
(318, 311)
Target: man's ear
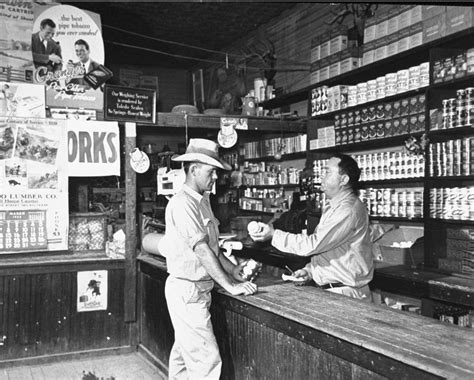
(344, 179)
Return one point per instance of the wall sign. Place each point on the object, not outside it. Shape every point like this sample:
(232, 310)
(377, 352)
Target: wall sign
(77, 49)
(33, 185)
(92, 290)
(93, 148)
(130, 104)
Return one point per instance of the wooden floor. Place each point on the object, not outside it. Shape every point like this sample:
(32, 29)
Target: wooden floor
(119, 367)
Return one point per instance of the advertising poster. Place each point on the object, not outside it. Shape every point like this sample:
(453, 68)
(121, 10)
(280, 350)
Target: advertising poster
(22, 100)
(33, 185)
(66, 44)
(93, 148)
(92, 290)
(16, 22)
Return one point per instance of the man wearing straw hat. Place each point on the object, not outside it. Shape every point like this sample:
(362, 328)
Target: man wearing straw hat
(191, 248)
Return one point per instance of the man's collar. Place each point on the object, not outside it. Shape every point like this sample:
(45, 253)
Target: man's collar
(194, 193)
(339, 197)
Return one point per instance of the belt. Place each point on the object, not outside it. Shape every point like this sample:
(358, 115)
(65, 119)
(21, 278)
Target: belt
(331, 285)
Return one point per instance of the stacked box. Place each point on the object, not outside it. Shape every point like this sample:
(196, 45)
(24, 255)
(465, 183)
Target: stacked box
(459, 250)
(369, 30)
(368, 53)
(458, 18)
(434, 27)
(415, 37)
(392, 24)
(338, 40)
(315, 49)
(87, 232)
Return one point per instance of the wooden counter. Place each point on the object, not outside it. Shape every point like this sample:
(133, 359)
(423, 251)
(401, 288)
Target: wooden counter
(289, 332)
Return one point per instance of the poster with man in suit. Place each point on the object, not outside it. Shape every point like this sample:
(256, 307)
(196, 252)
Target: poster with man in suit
(77, 35)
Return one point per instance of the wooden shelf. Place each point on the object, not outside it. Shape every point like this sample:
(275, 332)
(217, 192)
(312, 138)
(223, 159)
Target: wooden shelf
(450, 179)
(263, 124)
(261, 212)
(453, 84)
(396, 219)
(402, 95)
(370, 144)
(284, 157)
(451, 221)
(451, 133)
(287, 185)
(394, 181)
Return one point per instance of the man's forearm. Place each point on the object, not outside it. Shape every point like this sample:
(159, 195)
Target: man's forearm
(213, 265)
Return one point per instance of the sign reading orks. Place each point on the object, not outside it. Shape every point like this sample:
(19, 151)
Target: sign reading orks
(93, 148)
(66, 44)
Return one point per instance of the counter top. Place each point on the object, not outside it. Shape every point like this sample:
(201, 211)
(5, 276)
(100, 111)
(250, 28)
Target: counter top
(417, 341)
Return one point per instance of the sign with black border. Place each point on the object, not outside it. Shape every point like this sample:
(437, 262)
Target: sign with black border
(130, 104)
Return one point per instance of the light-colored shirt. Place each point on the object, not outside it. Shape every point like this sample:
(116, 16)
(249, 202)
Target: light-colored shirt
(340, 247)
(189, 221)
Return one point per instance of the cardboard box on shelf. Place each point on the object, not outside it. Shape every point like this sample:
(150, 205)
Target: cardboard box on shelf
(413, 253)
(434, 28)
(323, 73)
(465, 233)
(369, 29)
(392, 44)
(415, 36)
(428, 11)
(416, 14)
(458, 18)
(338, 39)
(392, 26)
(368, 51)
(381, 28)
(315, 49)
(381, 49)
(324, 46)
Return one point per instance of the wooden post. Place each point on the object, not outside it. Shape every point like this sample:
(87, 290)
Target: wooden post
(130, 307)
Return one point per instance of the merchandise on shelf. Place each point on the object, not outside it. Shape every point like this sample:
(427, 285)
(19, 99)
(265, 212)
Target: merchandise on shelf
(452, 158)
(455, 112)
(455, 203)
(389, 202)
(326, 99)
(270, 147)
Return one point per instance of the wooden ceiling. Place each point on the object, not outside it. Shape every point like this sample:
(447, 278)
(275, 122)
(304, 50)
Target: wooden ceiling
(209, 25)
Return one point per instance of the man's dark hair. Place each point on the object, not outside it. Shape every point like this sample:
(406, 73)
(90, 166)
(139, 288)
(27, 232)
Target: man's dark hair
(49, 22)
(82, 42)
(349, 166)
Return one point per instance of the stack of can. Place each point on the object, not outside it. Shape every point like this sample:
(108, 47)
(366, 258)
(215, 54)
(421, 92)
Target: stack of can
(452, 157)
(452, 203)
(389, 202)
(459, 111)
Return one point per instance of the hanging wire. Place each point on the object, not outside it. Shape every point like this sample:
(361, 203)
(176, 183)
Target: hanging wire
(203, 59)
(239, 56)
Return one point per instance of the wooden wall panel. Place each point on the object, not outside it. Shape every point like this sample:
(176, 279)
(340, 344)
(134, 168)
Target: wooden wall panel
(251, 350)
(38, 316)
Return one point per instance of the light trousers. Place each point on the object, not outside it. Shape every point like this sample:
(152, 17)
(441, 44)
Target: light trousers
(195, 354)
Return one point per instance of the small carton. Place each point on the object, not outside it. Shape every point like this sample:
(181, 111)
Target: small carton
(391, 243)
(416, 14)
(338, 40)
(315, 49)
(404, 19)
(381, 29)
(324, 47)
(465, 233)
(393, 21)
(324, 73)
(428, 11)
(434, 28)
(381, 49)
(392, 44)
(334, 65)
(368, 51)
(404, 40)
(458, 18)
(450, 264)
(415, 37)
(369, 30)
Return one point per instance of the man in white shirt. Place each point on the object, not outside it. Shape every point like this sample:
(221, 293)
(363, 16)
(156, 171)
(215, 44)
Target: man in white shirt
(340, 247)
(194, 263)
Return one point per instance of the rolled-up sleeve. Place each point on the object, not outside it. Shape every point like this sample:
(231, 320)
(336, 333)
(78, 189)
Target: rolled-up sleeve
(187, 221)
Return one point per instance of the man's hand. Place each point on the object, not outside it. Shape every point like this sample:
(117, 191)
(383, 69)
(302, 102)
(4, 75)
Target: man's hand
(55, 58)
(265, 234)
(246, 288)
(237, 270)
(303, 277)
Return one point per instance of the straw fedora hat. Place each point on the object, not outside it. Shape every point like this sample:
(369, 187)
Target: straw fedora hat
(204, 151)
